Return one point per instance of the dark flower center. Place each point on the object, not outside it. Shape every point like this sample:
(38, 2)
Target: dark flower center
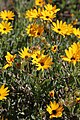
(54, 112)
(72, 58)
(4, 29)
(38, 33)
(26, 57)
(47, 16)
(77, 35)
(36, 56)
(42, 64)
(11, 59)
(51, 94)
(54, 48)
(34, 7)
(59, 29)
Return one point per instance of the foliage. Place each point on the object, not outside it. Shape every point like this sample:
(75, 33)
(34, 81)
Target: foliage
(30, 87)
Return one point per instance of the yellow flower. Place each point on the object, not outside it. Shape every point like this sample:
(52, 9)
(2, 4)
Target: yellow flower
(69, 29)
(31, 29)
(47, 15)
(39, 13)
(54, 109)
(49, 8)
(37, 56)
(78, 100)
(39, 2)
(35, 30)
(73, 54)
(39, 31)
(7, 15)
(76, 32)
(54, 48)
(25, 53)
(59, 27)
(51, 93)
(76, 46)
(32, 14)
(9, 59)
(5, 27)
(7, 65)
(74, 22)
(3, 92)
(44, 62)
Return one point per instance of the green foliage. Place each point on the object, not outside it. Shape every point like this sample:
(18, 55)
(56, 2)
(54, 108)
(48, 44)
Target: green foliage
(29, 88)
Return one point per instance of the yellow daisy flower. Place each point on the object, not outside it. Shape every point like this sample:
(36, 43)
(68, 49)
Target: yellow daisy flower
(25, 53)
(49, 7)
(7, 65)
(39, 12)
(73, 54)
(3, 92)
(35, 30)
(32, 13)
(59, 27)
(76, 46)
(9, 59)
(69, 29)
(76, 32)
(39, 31)
(37, 56)
(44, 62)
(51, 93)
(54, 48)
(47, 15)
(74, 22)
(55, 110)
(31, 29)
(5, 27)
(7, 15)
(39, 2)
